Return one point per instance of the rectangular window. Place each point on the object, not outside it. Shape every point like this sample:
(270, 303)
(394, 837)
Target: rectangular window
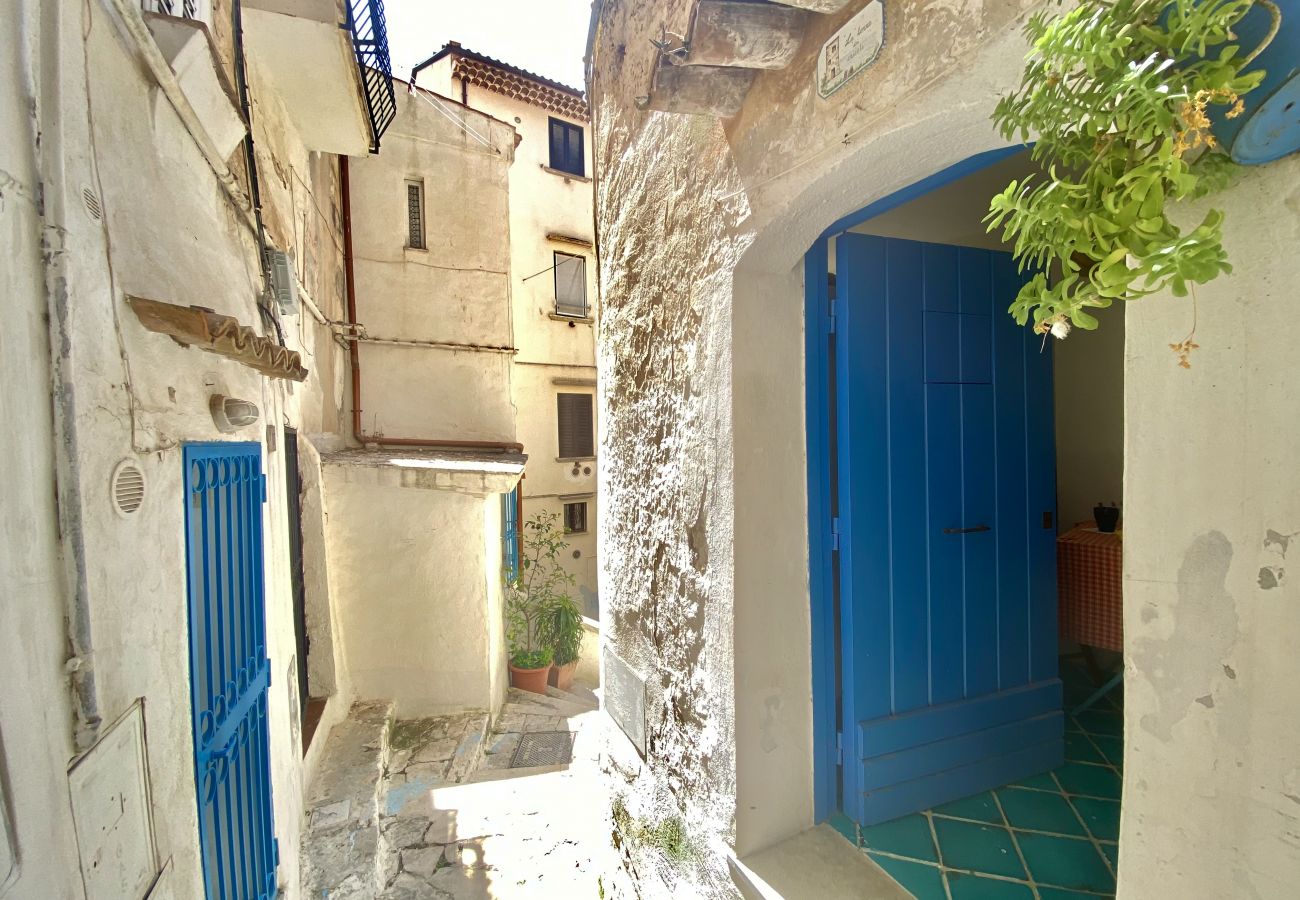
(415, 215)
(566, 147)
(510, 533)
(575, 518)
(570, 285)
(575, 420)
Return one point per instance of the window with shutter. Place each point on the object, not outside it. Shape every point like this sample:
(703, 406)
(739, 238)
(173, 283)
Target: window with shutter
(415, 215)
(574, 413)
(570, 285)
(566, 147)
(575, 518)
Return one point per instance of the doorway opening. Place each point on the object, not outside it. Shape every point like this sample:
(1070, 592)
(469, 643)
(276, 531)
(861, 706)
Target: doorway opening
(967, 610)
(311, 704)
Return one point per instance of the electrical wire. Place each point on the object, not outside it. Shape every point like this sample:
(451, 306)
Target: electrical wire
(433, 101)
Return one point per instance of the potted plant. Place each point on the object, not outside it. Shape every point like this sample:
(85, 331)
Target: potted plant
(562, 633)
(1117, 97)
(532, 592)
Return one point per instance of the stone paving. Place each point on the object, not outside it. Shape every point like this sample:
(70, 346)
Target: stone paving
(451, 819)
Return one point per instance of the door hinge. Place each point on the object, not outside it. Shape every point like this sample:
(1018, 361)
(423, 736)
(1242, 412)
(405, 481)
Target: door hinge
(839, 748)
(835, 534)
(831, 316)
(275, 846)
(263, 478)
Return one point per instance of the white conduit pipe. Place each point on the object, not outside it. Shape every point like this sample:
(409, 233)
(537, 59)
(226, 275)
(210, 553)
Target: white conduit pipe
(433, 345)
(133, 21)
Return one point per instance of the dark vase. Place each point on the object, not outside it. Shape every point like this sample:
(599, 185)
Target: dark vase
(1106, 517)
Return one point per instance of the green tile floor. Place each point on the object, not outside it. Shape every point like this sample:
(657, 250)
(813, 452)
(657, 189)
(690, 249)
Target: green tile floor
(1049, 837)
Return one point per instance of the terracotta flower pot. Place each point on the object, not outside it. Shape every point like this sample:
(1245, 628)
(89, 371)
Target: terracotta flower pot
(529, 679)
(562, 676)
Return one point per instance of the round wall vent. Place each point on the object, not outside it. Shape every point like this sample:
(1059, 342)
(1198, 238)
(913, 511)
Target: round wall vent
(92, 204)
(128, 488)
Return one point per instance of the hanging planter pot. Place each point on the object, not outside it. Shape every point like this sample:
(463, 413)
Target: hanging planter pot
(1268, 126)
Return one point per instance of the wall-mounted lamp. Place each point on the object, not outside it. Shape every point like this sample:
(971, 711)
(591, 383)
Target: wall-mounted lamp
(230, 413)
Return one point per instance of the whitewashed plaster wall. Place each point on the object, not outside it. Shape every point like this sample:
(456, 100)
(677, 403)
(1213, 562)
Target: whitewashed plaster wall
(167, 233)
(416, 573)
(35, 721)
(1211, 600)
(703, 535)
(457, 290)
(543, 202)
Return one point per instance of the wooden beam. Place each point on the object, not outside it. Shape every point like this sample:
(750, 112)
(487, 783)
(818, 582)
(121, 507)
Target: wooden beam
(700, 90)
(196, 326)
(748, 35)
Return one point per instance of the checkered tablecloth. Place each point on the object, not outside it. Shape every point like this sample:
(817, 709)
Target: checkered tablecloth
(1089, 570)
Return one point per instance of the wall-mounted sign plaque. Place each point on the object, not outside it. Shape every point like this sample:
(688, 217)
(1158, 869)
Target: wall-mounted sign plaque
(851, 49)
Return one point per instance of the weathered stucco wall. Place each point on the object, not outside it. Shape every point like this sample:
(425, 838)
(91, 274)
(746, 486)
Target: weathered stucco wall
(415, 571)
(35, 721)
(455, 290)
(1212, 602)
(164, 231)
(702, 227)
(544, 202)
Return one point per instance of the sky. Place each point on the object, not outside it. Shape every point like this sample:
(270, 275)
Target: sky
(547, 37)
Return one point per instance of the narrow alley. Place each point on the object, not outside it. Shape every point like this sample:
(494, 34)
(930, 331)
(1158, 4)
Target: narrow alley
(638, 449)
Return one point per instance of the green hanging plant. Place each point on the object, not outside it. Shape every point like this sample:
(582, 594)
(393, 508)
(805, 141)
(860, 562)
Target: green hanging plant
(1115, 95)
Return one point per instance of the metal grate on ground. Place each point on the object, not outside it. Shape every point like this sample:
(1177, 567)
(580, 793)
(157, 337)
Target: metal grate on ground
(543, 748)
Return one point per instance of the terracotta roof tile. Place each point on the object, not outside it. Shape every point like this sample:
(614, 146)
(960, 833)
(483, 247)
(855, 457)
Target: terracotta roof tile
(510, 81)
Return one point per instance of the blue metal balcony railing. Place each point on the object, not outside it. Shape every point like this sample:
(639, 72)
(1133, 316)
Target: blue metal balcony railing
(370, 44)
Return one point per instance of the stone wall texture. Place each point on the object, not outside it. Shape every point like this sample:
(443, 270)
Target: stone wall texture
(701, 227)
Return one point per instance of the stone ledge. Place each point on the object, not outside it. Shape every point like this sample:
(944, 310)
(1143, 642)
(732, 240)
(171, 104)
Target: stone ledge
(467, 472)
(817, 864)
(567, 176)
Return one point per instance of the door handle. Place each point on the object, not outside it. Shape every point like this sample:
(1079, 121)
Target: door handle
(967, 530)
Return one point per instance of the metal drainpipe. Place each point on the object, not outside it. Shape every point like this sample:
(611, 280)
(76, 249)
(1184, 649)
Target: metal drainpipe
(47, 157)
(354, 350)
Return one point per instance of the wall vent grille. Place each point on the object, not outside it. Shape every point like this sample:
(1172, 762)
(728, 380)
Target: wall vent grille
(128, 488)
(92, 204)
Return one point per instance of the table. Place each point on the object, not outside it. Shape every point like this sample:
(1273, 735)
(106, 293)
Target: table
(1090, 591)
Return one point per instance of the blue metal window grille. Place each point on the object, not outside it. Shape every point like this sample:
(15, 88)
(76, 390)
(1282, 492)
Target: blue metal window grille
(370, 45)
(566, 147)
(229, 669)
(510, 533)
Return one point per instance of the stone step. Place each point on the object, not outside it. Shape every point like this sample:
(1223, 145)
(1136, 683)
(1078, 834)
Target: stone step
(530, 704)
(340, 845)
(573, 697)
(498, 774)
(428, 754)
(469, 752)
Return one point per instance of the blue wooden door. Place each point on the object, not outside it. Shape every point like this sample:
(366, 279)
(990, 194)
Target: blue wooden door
(946, 507)
(229, 670)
